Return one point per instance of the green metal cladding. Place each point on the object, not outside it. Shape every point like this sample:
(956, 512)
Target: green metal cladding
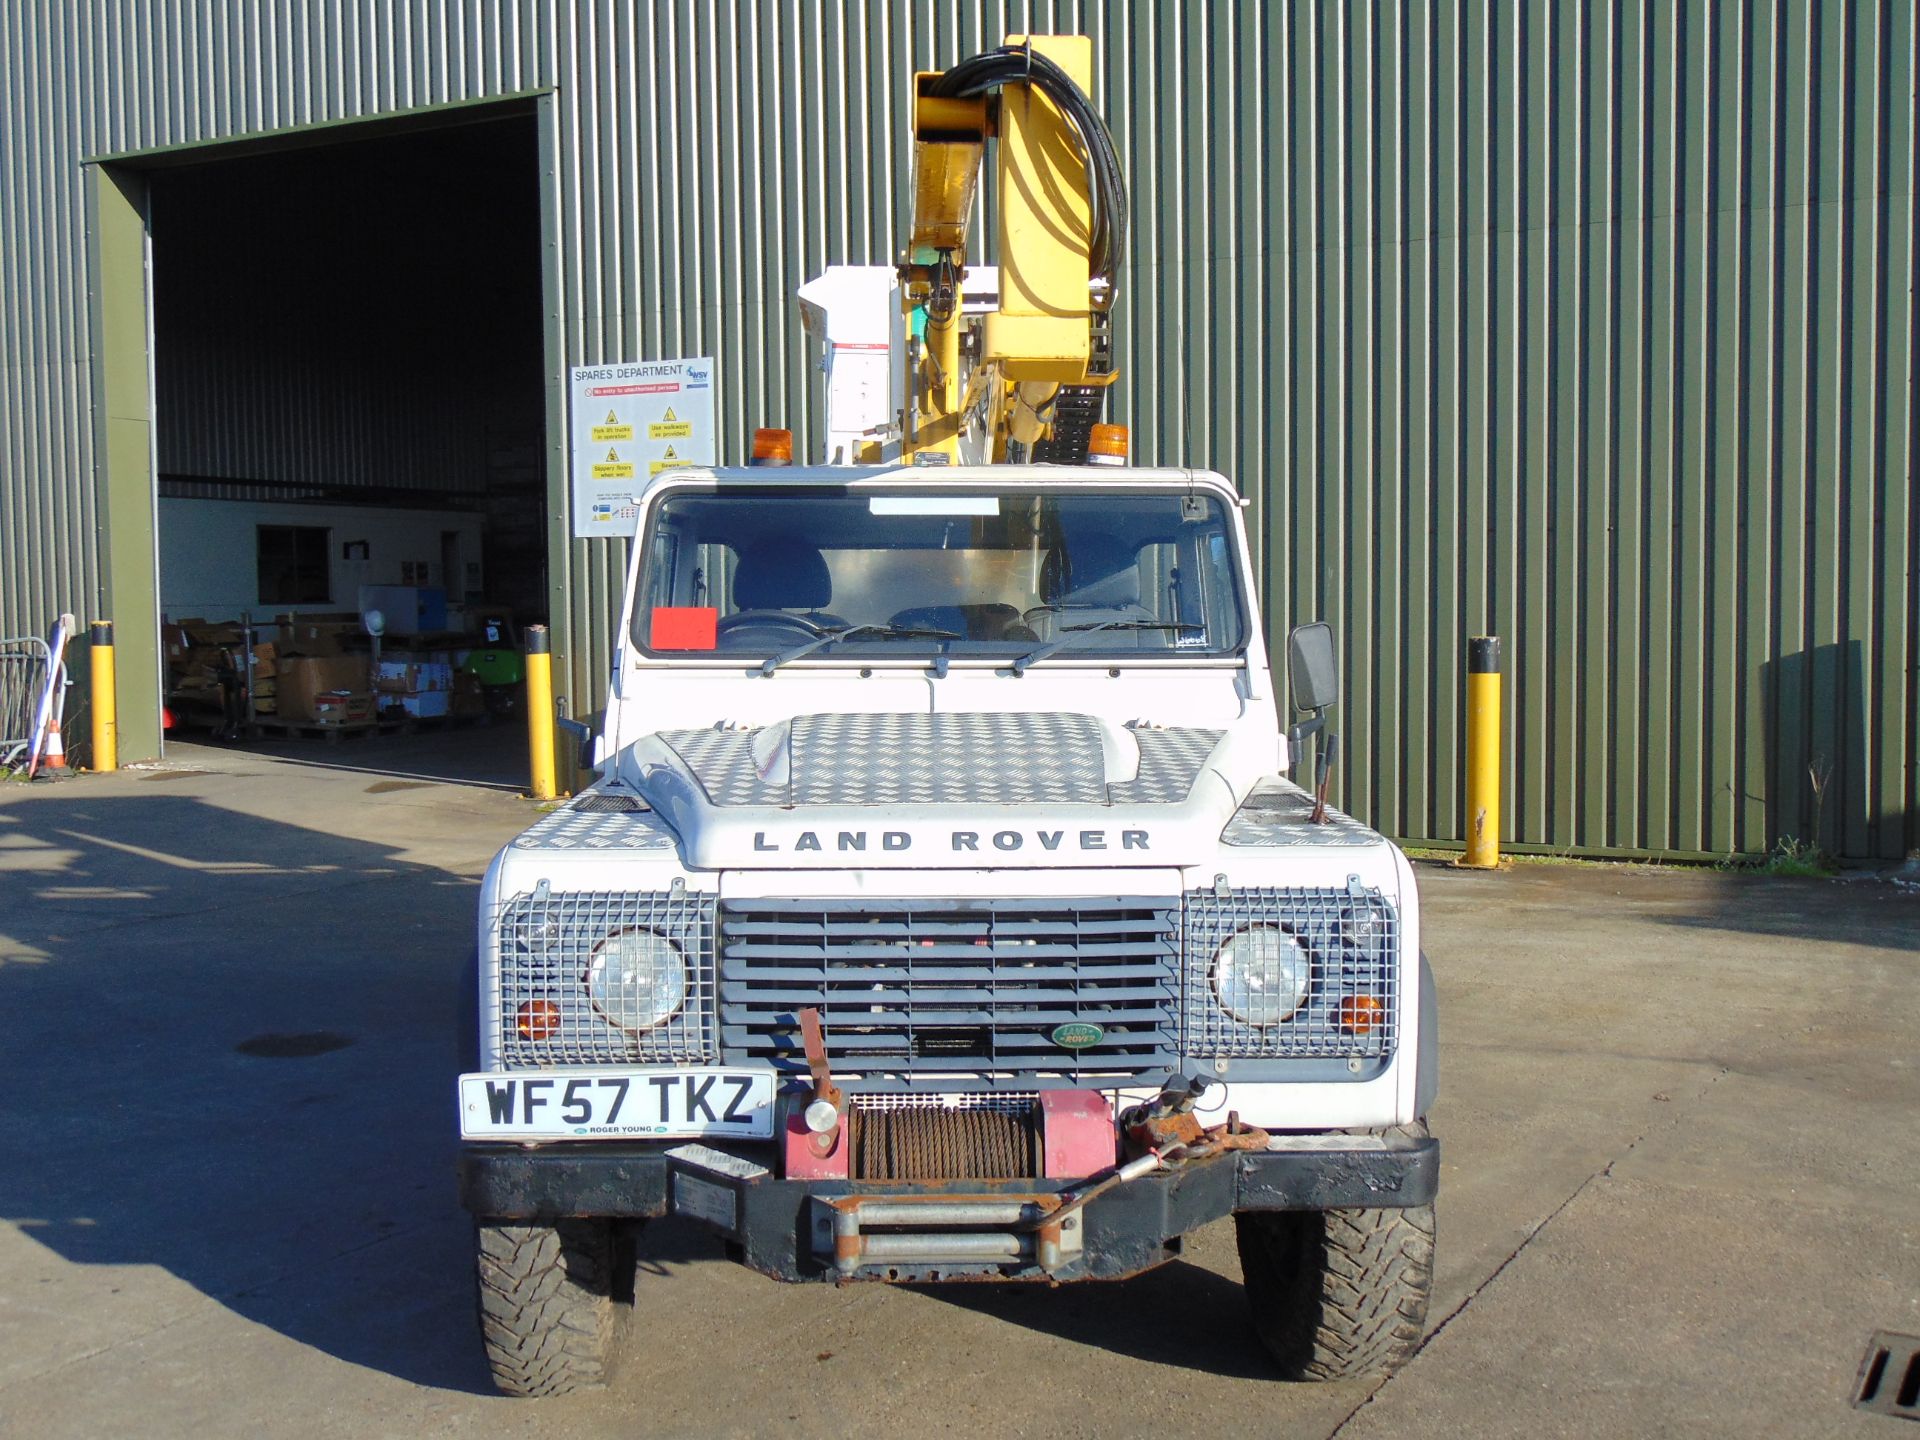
(1587, 324)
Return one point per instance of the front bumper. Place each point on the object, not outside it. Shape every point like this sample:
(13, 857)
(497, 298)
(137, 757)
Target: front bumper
(789, 1229)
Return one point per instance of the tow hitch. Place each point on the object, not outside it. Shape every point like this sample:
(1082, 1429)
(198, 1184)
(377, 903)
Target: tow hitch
(915, 1231)
(1169, 1129)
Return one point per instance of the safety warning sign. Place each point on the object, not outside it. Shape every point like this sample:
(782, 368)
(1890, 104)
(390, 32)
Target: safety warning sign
(670, 427)
(613, 467)
(630, 422)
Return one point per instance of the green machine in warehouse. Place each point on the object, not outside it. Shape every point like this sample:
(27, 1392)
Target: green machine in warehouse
(497, 663)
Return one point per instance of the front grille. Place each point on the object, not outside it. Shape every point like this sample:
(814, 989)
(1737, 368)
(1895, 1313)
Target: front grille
(1014, 1102)
(1352, 937)
(912, 988)
(545, 946)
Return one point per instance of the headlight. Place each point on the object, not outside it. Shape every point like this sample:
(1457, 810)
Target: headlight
(1260, 976)
(637, 979)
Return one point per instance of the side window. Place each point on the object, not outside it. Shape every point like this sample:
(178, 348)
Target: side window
(711, 582)
(663, 566)
(684, 570)
(1216, 578)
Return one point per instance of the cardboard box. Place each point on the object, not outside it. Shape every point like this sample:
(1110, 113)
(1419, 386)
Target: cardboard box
(406, 674)
(200, 632)
(468, 697)
(300, 680)
(317, 635)
(205, 660)
(341, 707)
(422, 704)
(265, 662)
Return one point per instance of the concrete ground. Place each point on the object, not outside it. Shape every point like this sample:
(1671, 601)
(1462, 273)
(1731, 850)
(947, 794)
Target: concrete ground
(1681, 1185)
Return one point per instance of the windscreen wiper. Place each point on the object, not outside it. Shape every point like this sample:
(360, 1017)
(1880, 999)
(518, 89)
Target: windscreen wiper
(1060, 640)
(842, 632)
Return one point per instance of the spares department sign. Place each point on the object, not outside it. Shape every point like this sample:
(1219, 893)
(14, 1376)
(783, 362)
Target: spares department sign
(630, 422)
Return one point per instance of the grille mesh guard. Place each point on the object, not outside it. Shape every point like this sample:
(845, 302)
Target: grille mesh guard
(970, 991)
(909, 989)
(545, 946)
(1353, 938)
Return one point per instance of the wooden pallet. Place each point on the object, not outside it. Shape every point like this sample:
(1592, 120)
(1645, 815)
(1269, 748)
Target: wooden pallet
(414, 723)
(269, 728)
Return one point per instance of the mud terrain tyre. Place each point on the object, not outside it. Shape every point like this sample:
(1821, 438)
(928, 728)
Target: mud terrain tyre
(551, 1302)
(1338, 1294)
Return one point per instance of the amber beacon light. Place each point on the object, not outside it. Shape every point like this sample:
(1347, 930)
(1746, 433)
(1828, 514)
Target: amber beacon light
(772, 447)
(1107, 445)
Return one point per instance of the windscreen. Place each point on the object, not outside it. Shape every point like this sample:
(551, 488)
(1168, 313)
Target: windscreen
(911, 573)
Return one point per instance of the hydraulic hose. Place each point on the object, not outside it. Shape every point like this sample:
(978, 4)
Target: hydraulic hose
(1020, 65)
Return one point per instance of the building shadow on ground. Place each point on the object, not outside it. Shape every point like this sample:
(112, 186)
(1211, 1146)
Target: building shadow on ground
(230, 1056)
(489, 756)
(1822, 912)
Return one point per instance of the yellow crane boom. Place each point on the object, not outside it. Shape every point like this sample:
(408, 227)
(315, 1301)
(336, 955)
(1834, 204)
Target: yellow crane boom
(1060, 205)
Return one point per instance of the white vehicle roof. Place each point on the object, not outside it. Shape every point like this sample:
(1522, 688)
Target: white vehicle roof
(949, 477)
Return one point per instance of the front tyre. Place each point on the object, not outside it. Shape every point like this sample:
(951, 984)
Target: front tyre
(1338, 1294)
(550, 1303)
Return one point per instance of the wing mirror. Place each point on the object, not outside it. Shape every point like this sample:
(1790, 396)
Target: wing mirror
(590, 743)
(1313, 670)
(1313, 674)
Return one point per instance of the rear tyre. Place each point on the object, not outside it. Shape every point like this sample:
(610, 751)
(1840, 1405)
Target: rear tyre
(553, 1301)
(1338, 1294)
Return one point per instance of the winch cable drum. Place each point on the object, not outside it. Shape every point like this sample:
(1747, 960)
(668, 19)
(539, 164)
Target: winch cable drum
(1021, 65)
(924, 1143)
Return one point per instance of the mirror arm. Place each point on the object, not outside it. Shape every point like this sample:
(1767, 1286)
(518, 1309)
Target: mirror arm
(1323, 765)
(1303, 729)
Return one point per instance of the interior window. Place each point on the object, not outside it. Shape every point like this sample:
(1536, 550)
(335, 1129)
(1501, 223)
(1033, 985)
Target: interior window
(294, 564)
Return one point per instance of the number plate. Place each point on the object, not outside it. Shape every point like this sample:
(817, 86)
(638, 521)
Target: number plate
(592, 1104)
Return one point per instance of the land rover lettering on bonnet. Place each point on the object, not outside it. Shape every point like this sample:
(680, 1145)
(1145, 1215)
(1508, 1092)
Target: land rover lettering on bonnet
(854, 842)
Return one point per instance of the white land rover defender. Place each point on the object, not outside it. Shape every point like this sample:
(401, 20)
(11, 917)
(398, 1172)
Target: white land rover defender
(942, 911)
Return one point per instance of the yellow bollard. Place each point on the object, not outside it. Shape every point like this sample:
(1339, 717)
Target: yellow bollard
(1483, 753)
(106, 713)
(540, 711)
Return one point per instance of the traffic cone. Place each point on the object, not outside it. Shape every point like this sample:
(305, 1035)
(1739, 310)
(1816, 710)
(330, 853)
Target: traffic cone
(54, 757)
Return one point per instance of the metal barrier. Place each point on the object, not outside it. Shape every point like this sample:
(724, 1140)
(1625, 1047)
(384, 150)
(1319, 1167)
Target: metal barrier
(23, 678)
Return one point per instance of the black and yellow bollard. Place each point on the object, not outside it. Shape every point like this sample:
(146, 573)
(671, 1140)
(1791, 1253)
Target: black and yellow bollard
(540, 711)
(1483, 752)
(106, 714)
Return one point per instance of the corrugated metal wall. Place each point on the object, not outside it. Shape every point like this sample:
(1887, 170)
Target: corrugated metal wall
(1591, 324)
(105, 77)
